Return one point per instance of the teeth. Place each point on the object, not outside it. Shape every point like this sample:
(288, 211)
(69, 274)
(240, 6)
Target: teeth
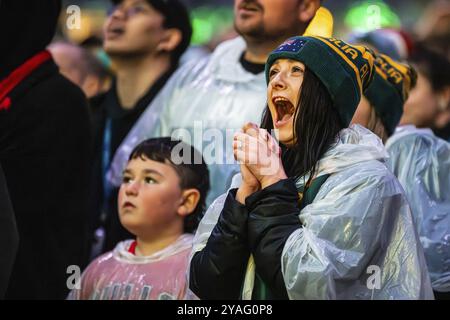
(279, 99)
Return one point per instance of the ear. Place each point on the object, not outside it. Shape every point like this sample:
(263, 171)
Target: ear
(307, 10)
(170, 40)
(443, 117)
(444, 99)
(190, 200)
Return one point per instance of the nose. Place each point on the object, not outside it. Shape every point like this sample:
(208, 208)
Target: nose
(132, 188)
(118, 13)
(278, 81)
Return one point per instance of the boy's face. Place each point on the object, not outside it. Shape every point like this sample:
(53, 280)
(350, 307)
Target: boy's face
(421, 108)
(133, 28)
(150, 197)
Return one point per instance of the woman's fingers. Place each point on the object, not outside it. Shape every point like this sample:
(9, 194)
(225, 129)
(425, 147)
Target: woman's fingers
(251, 129)
(245, 148)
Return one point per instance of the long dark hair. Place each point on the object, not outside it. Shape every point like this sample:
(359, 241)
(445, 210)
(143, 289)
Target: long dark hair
(316, 127)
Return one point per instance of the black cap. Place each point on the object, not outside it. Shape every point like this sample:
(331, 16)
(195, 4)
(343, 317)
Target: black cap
(176, 16)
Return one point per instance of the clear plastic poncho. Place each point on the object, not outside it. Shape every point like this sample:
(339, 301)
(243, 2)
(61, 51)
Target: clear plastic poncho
(358, 240)
(121, 275)
(421, 162)
(210, 100)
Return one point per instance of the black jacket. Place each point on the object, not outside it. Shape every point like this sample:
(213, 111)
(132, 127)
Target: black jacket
(45, 146)
(9, 236)
(260, 227)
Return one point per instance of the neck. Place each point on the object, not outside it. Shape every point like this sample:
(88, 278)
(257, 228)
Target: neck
(153, 242)
(257, 52)
(258, 49)
(136, 76)
(405, 120)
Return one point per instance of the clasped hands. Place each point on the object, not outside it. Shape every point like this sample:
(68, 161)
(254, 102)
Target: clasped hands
(259, 156)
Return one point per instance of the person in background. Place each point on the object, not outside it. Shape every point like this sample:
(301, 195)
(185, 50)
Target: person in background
(429, 104)
(161, 201)
(397, 44)
(45, 152)
(381, 106)
(81, 67)
(421, 162)
(144, 40)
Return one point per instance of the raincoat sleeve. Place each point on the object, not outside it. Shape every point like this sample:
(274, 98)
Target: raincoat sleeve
(351, 217)
(154, 122)
(422, 165)
(273, 218)
(217, 267)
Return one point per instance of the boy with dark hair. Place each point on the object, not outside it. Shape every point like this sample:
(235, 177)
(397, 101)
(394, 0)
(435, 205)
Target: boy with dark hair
(161, 201)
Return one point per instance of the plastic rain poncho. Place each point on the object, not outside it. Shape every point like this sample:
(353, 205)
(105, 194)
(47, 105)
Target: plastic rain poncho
(421, 162)
(121, 275)
(357, 239)
(211, 100)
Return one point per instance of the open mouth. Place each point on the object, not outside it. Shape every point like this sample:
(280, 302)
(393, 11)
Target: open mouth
(249, 6)
(115, 32)
(285, 110)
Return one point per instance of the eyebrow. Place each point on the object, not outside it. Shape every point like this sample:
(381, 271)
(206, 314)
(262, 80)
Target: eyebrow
(136, 2)
(146, 171)
(291, 62)
(152, 171)
(274, 64)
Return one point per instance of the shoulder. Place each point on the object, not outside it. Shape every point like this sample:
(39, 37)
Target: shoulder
(59, 97)
(230, 46)
(61, 89)
(409, 140)
(97, 264)
(370, 178)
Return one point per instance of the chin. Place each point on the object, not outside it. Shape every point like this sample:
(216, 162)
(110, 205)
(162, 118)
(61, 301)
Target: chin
(116, 50)
(130, 225)
(249, 28)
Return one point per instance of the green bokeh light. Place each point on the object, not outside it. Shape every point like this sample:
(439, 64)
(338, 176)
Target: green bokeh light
(370, 15)
(209, 21)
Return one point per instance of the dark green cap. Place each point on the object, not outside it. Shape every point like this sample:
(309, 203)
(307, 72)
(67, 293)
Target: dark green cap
(390, 89)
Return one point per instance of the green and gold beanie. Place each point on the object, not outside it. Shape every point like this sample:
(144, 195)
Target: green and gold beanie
(345, 70)
(390, 89)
